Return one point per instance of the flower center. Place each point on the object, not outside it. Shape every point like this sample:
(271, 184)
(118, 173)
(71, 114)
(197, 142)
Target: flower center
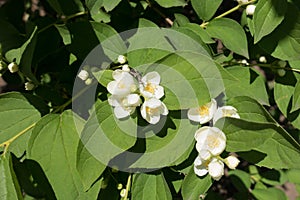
(151, 111)
(203, 110)
(150, 88)
(212, 142)
(121, 85)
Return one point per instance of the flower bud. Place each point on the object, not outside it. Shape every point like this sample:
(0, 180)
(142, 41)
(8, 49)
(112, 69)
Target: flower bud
(121, 59)
(125, 68)
(250, 9)
(29, 86)
(123, 193)
(119, 186)
(83, 75)
(232, 162)
(88, 81)
(262, 59)
(13, 67)
(281, 63)
(281, 72)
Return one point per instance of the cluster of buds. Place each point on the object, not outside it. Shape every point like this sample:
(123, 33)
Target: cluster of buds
(84, 75)
(126, 94)
(211, 141)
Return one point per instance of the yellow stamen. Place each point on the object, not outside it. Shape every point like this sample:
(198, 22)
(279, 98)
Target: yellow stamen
(150, 88)
(212, 141)
(203, 110)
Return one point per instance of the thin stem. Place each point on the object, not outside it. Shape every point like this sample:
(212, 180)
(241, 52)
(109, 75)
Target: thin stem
(127, 187)
(275, 67)
(204, 24)
(60, 108)
(8, 142)
(168, 20)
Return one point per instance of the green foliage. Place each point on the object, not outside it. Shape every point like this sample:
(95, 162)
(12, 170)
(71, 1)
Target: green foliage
(61, 138)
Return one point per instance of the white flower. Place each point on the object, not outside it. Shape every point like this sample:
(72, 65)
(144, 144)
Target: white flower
(122, 85)
(29, 86)
(232, 162)
(225, 111)
(216, 169)
(203, 113)
(150, 87)
(211, 141)
(262, 59)
(83, 75)
(152, 109)
(250, 9)
(13, 67)
(124, 106)
(121, 59)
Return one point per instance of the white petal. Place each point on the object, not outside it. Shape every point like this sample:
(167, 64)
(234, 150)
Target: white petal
(153, 103)
(216, 169)
(203, 114)
(193, 114)
(111, 87)
(121, 112)
(152, 77)
(83, 75)
(201, 133)
(199, 167)
(133, 99)
(232, 162)
(204, 154)
(164, 109)
(154, 119)
(143, 111)
(117, 74)
(121, 59)
(225, 111)
(159, 92)
(114, 100)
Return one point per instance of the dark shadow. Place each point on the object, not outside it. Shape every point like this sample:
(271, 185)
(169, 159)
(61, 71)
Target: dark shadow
(253, 156)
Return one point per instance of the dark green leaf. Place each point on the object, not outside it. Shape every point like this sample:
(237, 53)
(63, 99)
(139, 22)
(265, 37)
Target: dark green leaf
(9, 186)
(67, 7)
(206, 9)
(193, 186)
(171, 3)
(148, 186)
(267, 16)
(296, 97)
(9, 36)
(180, 20)
(230, 33)
(200, 31)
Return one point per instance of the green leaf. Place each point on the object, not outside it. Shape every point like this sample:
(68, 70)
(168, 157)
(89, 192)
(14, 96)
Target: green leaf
(293, 175)
(53, 144)
(9, 186)
(193, 186)
(171, 3)
(248, 83)
(176, 136)
(269, 193)
(284, 41)
(105, 136)
(296, 97)
(180, 20)
(96, 12)
(265, 144)
(110, 4)
(66, 7)
(240, 179)
(282, 96)
(64, 33)
(267, 16)
(250, 110)
(230, 33)
(104, 77)
(23, 56)
(206, 9)
(199, 31)
(148, 186)
(17, 115)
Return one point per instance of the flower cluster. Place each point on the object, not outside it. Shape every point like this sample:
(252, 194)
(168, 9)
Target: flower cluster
(211, 141)
(126, 94)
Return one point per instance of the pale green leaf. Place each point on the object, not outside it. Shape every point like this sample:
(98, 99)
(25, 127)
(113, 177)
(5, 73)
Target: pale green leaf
(104, 77)
(282, 96)
(64, 33)
(9, 186)
(199, 31)
(171, 3)
(267, 16)
(180, 20)
(206, 9)
(296, 97)
(53, 144)
(17, 115)
(230, 33)
(148, 186)
(193, 186)
(110, 4)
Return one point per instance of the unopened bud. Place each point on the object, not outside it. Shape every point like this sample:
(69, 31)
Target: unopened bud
(29, 86)
(262, 59)
(250, 9)
(281, 72)
(121, 59)
(125, 68)
(83, 75)
(281, 63)
(123, 193)
(120, 186)
(88, 81)
(232, 162)
(13, 67)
